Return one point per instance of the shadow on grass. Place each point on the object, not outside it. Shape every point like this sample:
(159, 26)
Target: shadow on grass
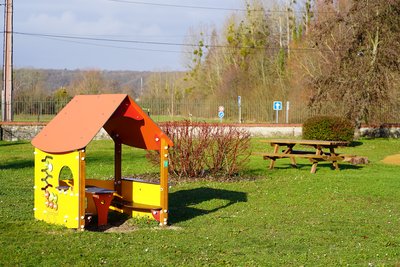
(180, 205)
(11, 143)
(181, 202)
(322, 165)
(355, 143)
(17, 164)
(115, 220)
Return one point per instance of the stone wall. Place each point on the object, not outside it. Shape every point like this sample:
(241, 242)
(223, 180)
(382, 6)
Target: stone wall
(384, 131)
(21, 131)
(18, 132)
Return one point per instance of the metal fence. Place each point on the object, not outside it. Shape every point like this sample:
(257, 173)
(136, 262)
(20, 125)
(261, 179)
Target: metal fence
(172, 110)
(247, 112)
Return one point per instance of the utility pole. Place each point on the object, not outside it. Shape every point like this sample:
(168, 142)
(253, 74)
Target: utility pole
(6, 96)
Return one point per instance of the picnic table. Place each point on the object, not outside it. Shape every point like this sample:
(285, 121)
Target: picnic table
(319, 152)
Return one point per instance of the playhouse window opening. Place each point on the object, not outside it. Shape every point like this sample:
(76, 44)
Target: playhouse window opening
(66, 177)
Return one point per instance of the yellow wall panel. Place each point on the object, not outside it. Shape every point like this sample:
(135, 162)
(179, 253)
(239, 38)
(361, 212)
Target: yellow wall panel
(52, 204)
(141, 192)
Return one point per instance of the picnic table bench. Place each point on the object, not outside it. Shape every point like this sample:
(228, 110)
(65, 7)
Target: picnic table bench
(314, 156)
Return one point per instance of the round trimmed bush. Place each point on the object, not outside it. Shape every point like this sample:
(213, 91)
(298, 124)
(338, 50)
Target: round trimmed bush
(330, 128)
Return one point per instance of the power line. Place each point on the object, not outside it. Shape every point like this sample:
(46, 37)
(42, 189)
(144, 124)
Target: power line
(103, 39)
(178, 6)
(71, 38)
(209, 7)
(114, 46)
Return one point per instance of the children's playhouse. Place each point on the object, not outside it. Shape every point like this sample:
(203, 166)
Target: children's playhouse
(61, 146)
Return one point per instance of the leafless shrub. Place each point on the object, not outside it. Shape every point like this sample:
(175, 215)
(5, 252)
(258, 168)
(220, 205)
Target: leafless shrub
(205, 150)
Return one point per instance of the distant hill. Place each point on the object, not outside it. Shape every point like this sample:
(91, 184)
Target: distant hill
(54, 78)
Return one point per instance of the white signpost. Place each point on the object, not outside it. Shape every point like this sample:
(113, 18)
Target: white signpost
(240, 108)
(277, 105)
(221, 113)
(287, 111)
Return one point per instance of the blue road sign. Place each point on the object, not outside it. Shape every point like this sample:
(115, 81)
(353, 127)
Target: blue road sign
(221, 114)
(277, 105)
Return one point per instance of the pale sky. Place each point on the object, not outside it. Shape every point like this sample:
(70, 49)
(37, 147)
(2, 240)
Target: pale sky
(39, 23)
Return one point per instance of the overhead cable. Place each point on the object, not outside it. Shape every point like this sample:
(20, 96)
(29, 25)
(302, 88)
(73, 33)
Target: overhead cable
(113, 46)
(178, 6)
(102, 39)
(206, 46)
(208, 7)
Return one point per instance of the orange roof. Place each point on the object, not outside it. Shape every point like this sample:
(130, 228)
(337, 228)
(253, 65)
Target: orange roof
(81, 119)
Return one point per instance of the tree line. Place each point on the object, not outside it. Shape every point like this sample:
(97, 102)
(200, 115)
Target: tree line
(57, 87)
(325, 56)
(332, 57)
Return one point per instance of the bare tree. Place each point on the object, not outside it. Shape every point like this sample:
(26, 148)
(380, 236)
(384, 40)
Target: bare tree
(359, 66)
(89, 82)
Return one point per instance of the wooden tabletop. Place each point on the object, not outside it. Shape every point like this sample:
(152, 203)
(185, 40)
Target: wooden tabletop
(305, 142)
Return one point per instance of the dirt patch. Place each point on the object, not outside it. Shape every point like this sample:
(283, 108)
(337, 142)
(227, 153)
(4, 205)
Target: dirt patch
(126, 227)
(393, 159)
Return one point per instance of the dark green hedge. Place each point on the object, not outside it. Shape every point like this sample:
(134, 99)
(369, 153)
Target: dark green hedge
(328, 128)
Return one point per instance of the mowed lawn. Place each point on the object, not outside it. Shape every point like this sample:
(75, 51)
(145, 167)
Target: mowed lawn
(280, 217)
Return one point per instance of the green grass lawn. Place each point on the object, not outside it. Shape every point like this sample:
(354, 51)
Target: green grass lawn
(278, 217)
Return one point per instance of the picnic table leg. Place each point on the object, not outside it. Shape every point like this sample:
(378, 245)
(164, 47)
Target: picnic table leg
(292, 159)
(293, 162)
(272, 164)
(314, 166)
(334, 163)
(315, 162)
